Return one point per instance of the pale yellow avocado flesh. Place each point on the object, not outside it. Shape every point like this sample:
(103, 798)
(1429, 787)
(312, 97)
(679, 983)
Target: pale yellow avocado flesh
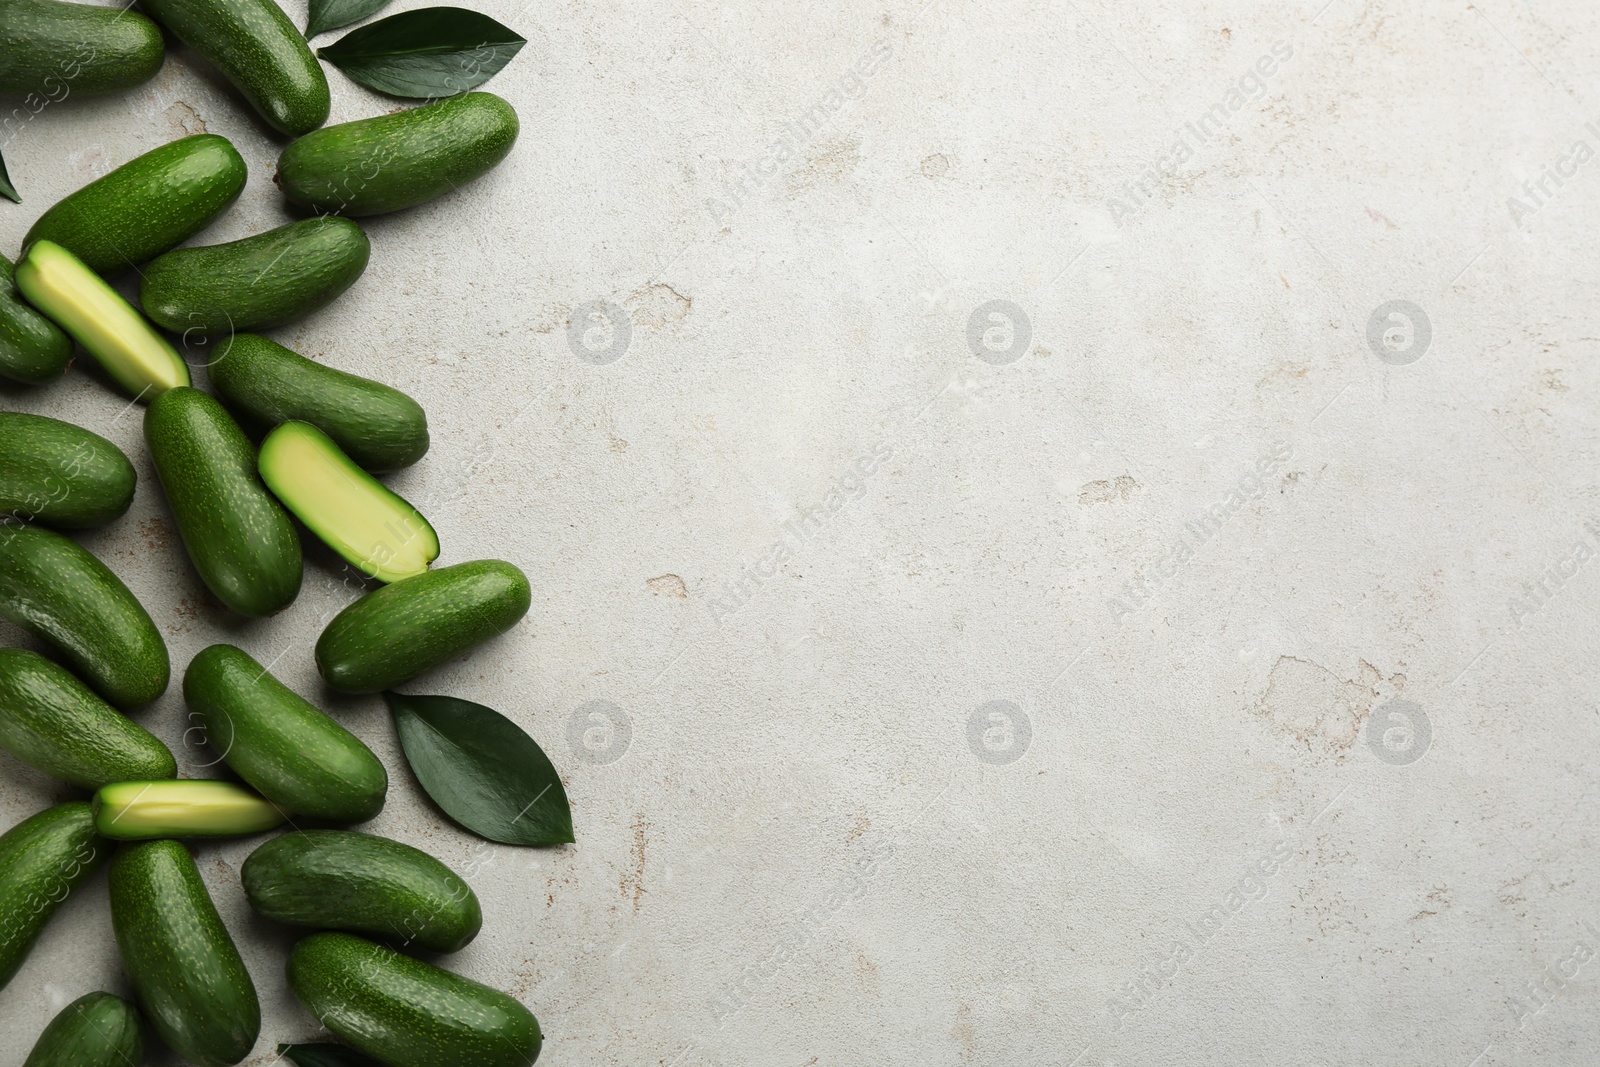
(78, 300)
(132, 811)
(354, 513)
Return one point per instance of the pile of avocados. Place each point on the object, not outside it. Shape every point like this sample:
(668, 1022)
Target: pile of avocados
(323, 437)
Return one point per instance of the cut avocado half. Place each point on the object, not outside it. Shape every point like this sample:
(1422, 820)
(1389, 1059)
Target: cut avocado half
(76, 298)
(354, 513)
(135, 811)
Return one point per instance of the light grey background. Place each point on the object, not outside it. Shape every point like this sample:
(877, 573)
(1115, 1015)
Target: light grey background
(825, 841)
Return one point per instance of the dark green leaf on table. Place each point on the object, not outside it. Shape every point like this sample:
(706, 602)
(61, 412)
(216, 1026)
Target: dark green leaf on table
(483, 770)
(324, 1055)
(332, 14)
(7, 190)
(427, 53)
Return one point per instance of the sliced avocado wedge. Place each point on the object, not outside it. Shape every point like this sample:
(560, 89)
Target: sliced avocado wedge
(135, 811)
(79, 301)
(371, 527)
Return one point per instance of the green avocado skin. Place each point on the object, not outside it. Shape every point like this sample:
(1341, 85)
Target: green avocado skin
(52, 721)
(257, 48)
(146, 206)
(60, 474)
(408, 1013)
(293, 754)
(265, 384)
(96, 1030)
(33, 350)
(267, 280)
(58, 591)
(393, 634)
(372, 166)
(184, 968)
(363, 884)
(241, 540)
(51, 50)
(42, 860)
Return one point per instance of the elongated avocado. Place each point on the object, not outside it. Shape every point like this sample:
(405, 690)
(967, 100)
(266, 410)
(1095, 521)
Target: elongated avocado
(267, 280)
(183, 966)
(96, 1030)
(51, 50)
(60, 474)
(80, 302)
(257, 48)
(264, 384)
(57, 591)
(42, 860)
(33, 350)
(149, 204)
(240, 539)
(137, 811)
(296, 756)
(52, 721)
(377, 165)
(393, 634)
(362, 884)
(408, 1013)
(356, 515)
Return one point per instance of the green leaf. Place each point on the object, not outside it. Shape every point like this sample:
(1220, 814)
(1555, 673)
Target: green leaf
(7, 190)
(331, 14)
(427, 53)
(482, 770)
(324, 1055)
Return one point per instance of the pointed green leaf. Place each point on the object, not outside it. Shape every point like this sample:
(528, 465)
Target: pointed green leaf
(328, 15)
(482, 770)
(324, 1055)
(427, 53)
(7, 190)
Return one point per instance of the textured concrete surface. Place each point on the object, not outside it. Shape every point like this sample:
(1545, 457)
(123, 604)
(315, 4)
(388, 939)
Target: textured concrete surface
(1012, 586)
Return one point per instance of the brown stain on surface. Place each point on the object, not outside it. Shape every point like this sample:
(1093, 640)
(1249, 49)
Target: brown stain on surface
(1310, 705)
(658, 305)
(183, 118)
(1107, 491)
(670, 585)
(964, 1033)
(867, 974)
(935, 166)
(156, 533)
(830, 163)
(632, 884)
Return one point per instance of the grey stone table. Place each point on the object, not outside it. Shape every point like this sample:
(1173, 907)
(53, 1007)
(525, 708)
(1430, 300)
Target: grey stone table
(1062, 533)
